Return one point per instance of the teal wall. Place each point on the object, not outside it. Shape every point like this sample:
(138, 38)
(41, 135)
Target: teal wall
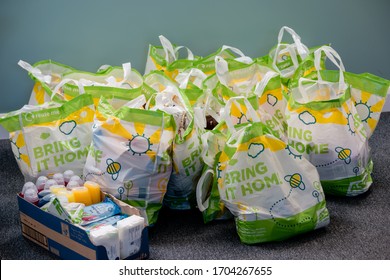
(88, 33)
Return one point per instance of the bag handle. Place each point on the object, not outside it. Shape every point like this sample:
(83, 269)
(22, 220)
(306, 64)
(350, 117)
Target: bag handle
(80, 83)
(35, 72)
(226, 117)
(301, 48)
(111, 81)
(260, 86)
(242, 57)
(199, 191)
(168, 49)
(190, 55)
(333, 56)
(183, 78)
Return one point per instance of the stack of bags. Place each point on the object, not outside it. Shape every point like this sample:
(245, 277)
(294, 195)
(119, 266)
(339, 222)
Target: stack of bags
(234, 136)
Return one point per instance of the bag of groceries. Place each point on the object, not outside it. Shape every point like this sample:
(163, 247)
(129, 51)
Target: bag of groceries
(166, 58)
(272, 193)
(325, 127)
(130, 154)
(52, 137)
(187, 163)
(46, 75)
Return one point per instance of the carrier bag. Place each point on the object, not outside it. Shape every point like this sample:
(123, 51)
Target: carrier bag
(46, 74)
(272, 194)
(166, 58)
(368, 91)
(187, 163)
(130, 155)
(325, 127)
(51, 138)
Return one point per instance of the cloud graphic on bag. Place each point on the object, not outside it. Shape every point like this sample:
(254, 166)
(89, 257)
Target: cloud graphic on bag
(272, 100)
(307, 118)
(255, 149)
(67, 127)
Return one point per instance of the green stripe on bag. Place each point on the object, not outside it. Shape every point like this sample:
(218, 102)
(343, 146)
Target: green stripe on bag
(349, 186)
(53, 114)
(278, 229)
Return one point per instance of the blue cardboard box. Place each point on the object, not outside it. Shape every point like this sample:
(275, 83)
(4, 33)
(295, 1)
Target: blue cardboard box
(64, 239)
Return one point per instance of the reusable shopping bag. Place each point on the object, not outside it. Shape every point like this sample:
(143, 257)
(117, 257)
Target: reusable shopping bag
(119, 84)
(213, 142)
(130, 155)
(52, 137)
(232, 55)
(190, 82)
(257, 82)
(207, 192)
(272, 194)
(368, 91)
(46, 74)
(325, 127)
(187, 163)
(166, 58)
(285, 58)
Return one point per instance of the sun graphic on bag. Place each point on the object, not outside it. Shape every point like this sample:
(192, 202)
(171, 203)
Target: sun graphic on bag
(139, 144)
(363, 110)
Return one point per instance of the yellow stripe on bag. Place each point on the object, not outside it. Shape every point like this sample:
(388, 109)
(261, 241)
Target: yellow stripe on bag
(39, 93)
(377, 108)
(268, 143)
(275, 92)
(20, 140)
(329, 115)
(117, 128)
(364, 96)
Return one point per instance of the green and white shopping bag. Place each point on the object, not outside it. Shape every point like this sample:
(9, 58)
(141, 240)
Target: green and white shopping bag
(166, 58)
(232, 55)
(207, 192)
(286, 57)
(187, 163)
(324, 126)
(46, 75)
(130, 156)
(190, 82)
(119, 84)
(368, 91)
(272, 193)
(52, 137)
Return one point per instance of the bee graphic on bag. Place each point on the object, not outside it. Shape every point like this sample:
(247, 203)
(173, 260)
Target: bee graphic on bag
(295, 181)
(113, 168)
(344, 154)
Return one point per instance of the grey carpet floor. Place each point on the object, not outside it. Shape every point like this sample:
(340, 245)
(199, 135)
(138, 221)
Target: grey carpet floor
(359, 227)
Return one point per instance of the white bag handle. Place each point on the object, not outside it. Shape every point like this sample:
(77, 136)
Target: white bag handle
(226, 117)
(332, 55)
(35, 72)
(260, 86)
(168, 48)
(242, 57)
(302, 49)
(103, 68)
(233, 49)
(183, 78)
(221, 69)
(190, 55)
(111, 81)
(199, 191)
(80, 83)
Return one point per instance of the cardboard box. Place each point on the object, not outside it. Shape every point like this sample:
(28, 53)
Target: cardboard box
(63, 239)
